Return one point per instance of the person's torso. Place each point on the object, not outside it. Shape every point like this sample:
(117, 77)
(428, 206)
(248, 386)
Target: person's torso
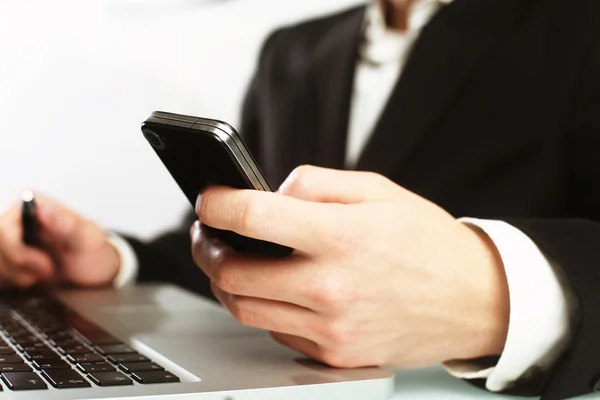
(478, 122)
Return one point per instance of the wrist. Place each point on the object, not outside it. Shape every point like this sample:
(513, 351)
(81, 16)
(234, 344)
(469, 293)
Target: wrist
(114, 262)
(488, 325)
(128, 263)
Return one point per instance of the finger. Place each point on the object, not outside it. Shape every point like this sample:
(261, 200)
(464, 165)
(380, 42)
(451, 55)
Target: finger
(300, 344)
(301, 225)
(17, 256)
(21, 277)
(59, 226)
(326, 185)
(13, 214)
(24, 279)
(268, 315)
(207, 252)
(38, 262)
(293, 279)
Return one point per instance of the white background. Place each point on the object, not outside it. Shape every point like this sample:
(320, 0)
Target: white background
(78, 77)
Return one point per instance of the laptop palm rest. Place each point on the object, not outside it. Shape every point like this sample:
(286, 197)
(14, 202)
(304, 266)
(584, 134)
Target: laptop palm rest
(201, 343)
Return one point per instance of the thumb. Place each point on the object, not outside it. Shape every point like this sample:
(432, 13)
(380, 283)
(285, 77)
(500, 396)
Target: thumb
(326, 185)
(58, 226)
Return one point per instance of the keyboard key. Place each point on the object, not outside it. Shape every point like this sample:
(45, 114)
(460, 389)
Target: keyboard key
(20, 333)
(115, 349)
(53, 333)
(10, 322)
(14, 367)
(25, 340)
(33, 347)
(110, 379)
(99, 338)
(90, 331)
(85, 358)
(69, 342)
(17, 332)
(28, 342)
(23, 381)
(79, 323)
(140, 367)
(99, 367)
(49, 326)
(79, 349)
(11, 359)
(154, 377)
(6, 350)
(41, 355)
(50, 364)
(59, 336)
(31, 302)
(127, 358)
(65, 378)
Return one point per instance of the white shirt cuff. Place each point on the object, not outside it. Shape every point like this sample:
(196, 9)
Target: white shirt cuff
(129, 263)
(541, 307)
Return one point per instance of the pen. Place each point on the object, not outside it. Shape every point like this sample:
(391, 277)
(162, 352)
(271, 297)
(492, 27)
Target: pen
(29, 219)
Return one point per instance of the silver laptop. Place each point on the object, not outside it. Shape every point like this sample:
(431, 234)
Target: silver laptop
(156, 340)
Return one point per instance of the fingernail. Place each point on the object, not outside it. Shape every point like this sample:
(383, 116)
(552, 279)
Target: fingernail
(198, 201)
(195, 229)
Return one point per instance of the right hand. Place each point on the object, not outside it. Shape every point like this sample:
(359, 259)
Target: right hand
(73, 251)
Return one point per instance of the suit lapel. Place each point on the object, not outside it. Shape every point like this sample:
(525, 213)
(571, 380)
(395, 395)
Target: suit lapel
(448, 50)
(331, 82)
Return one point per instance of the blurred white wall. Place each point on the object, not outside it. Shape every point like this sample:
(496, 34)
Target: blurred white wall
(78, 77)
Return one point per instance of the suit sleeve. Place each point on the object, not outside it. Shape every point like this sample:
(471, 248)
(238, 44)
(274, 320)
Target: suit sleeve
(575, 244)
(168, 257)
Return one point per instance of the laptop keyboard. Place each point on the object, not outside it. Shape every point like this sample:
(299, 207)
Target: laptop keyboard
(44, 343)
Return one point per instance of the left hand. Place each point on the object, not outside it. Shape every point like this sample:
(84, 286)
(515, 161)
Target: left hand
(380, 276)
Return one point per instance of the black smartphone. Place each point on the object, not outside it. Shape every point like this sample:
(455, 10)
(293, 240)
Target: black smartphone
(200, 152)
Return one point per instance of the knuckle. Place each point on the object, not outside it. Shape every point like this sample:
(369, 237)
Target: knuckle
(302, 175)
(198, 250)
(242, 312)
(303, 172)
(225, 278)
(340, 231)
(250, 217)
(15, 259)
(333, 292)
(299, 180)
(338, 333)
(379, 183)
(24, 281)
(377, 178)
(335, 358)
(197, 254)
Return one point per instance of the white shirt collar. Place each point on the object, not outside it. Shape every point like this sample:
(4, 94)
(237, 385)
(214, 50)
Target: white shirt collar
(382, 44)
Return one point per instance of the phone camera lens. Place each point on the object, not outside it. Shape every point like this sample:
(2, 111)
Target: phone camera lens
(156, 141)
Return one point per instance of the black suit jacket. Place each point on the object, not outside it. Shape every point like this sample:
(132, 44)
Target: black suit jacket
(496, 115)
